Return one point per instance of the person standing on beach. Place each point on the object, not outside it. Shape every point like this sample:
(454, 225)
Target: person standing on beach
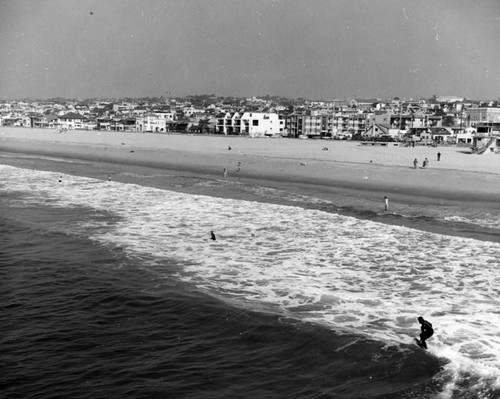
(415, 163)
(225, 174)
(427, 331)
(425, 163)
(439, 156)
(386, 203)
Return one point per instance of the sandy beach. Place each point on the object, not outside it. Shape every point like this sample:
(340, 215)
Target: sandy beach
(346, 170)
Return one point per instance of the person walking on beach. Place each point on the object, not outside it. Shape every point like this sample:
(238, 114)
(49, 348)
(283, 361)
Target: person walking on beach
(427, 331)
(439, 156)
(238, 169)
(425, 163)
(415, 163)
(386, 203)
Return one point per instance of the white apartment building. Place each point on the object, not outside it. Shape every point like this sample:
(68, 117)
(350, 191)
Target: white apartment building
(154, 122)
(253, 124)
(257, 124)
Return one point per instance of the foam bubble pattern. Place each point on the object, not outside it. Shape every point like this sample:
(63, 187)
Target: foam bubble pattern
(350, 274)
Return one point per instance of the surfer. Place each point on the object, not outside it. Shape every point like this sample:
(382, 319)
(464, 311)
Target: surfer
(426, 333)
(212, 236)
(386, 203)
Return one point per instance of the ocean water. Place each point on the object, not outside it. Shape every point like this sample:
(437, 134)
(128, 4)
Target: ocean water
(113, 289)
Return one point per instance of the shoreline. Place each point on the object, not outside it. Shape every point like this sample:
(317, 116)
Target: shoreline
(299, 166)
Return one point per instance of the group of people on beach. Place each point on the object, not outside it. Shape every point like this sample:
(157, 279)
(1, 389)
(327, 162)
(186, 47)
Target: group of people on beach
(425, 163)
(225, 172)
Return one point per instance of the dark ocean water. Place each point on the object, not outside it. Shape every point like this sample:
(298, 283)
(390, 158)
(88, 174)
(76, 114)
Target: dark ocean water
(82, 321)
(100, 303)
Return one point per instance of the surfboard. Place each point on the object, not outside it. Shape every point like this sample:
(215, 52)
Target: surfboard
(419, 343)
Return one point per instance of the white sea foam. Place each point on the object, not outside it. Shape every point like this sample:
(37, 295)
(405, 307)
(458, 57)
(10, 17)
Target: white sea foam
(350, 274)
(485, 219)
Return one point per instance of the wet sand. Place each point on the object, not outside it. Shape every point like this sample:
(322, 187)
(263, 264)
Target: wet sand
(346, 171)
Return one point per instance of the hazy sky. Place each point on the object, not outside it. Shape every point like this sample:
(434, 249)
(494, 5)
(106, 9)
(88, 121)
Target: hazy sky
(294, 48)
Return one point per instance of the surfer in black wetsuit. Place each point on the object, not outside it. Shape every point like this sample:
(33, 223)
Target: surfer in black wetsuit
(426, 333)
(212, 236)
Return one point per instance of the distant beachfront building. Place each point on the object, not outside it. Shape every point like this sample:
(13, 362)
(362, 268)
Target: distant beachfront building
(34, 119)
(437, 135)
(253, 124)
(353, 123)
(115, 124)
(405, 121)
(304, 124)
(485, 117)
(465, 136)
(229, 123)
(72, 120)
(154, 122)
(486, 121)
(318, 124)
(379, 130)
(257, 124)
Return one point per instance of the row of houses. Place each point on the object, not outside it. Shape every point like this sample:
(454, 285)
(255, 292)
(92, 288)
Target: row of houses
(397, 120)
(159, 122)
(465, 127)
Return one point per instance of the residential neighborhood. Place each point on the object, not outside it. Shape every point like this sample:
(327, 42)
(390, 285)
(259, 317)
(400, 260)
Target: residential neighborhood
(437, 121)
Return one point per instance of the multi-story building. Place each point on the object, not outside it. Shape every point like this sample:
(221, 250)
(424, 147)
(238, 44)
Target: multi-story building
(72, 120)
(486, 122)
(307, 123)
(317, 124)
(252, 124)
(257, 124)
(154, 122)
(229, 123)
(116, 124)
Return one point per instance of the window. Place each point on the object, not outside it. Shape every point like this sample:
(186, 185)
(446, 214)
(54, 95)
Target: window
(255, 122)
